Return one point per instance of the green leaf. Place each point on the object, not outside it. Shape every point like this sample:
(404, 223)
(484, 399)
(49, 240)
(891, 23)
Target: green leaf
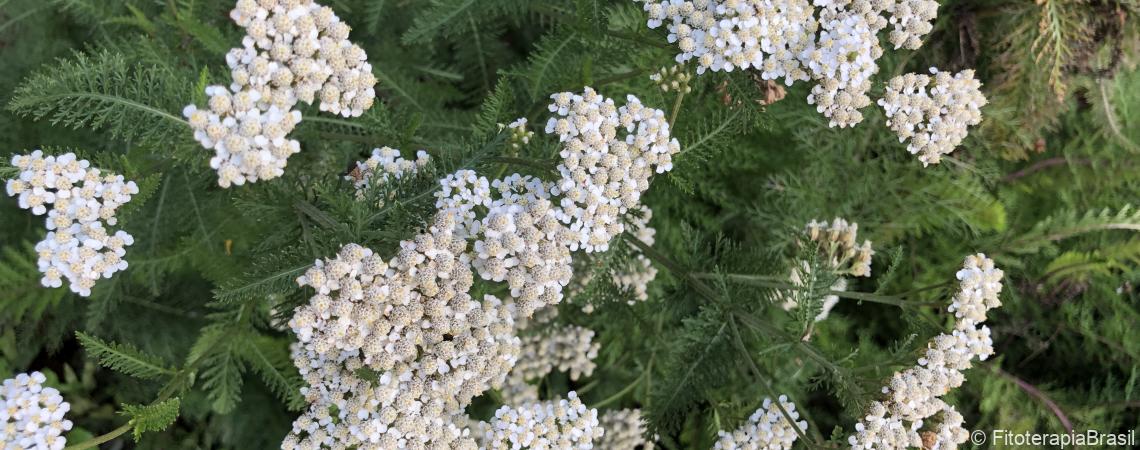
(124, 358)
(155, 417)
(270, 359)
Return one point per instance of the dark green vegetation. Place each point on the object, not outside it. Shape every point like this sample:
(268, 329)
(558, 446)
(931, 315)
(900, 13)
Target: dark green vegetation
(1044, 186)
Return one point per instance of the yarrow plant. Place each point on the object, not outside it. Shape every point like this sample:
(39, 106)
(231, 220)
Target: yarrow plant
(444, 241)
(80, 202)
(913, 395)
(32, 415)
(294, 51)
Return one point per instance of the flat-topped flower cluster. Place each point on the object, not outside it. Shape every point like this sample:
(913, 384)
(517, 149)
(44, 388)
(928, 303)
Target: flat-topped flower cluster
(393, 349)
(834, 43)
(933, 112)
(766, 429)
(294, 51)
(80, 202)
(913, 395)
(31, 414)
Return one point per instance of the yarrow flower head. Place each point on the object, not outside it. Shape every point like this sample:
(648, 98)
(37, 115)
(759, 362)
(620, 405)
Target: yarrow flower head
(80, 202)
(766, 429)
(933, 112)
(608, 155)
(384, 164)
(624, 429)
(913, 395)
(561, 424)
(294, 50)
(32, 415)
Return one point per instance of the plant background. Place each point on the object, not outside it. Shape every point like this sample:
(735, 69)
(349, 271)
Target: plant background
(1045, 186)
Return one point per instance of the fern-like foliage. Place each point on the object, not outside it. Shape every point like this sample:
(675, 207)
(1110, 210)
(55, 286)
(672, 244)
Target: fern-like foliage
(104, 91)
(1070, 223)
(124, 358)
(153, 417)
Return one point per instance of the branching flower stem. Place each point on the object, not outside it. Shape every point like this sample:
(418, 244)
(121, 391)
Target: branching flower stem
(782, 283)
(676, 108)
(811, 443)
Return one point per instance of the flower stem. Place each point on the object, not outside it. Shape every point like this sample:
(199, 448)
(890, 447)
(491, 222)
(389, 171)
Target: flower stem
(676, 108)
(95, 441)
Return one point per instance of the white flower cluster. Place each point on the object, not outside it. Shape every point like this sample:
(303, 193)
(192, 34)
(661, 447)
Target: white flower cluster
(934, 113)
(838, 244)
(31, 414)
(836, 45)
(294, 50)
(80, 202)
(393, 351)
(766, 429)
(913, 394)
(563, 424)
(568, 348)
(673, 78)
(603, 171)
(411, 322)
(641, 272)
(625, 430)
(384, 164)
(725, 35)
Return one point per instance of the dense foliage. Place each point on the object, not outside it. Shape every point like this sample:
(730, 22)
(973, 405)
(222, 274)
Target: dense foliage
(186, 348)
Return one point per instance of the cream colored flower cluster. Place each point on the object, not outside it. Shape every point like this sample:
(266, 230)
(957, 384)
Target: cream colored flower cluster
(933, 112)
(31, 414)
(608, 155)
(411, 322)
(384, 164)
(836, 45)
(393, 350)
(80, 202)
(562, 424)
(766, 429)
(913, 395)
(294, 50)
(625, 430)
(838, 244)
(641, 271)
(568, 348)
(767, 35)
